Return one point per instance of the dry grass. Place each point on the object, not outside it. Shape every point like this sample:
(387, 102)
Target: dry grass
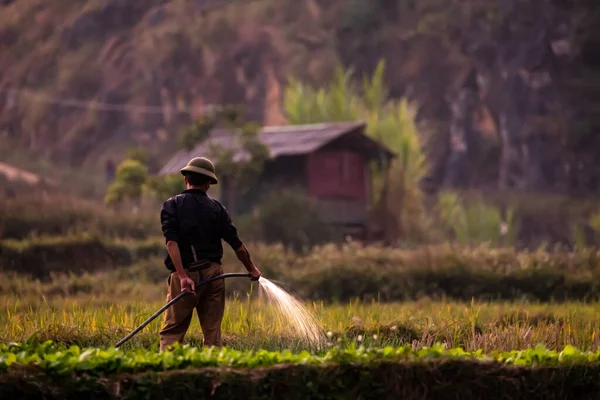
(101, 320)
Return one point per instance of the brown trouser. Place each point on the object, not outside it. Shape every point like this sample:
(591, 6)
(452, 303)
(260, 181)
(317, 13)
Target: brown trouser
(209, 302)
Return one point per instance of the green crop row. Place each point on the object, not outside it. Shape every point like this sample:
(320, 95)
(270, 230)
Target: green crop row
(367, 373)
(62, 360)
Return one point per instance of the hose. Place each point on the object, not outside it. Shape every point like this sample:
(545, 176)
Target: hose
(176, 299)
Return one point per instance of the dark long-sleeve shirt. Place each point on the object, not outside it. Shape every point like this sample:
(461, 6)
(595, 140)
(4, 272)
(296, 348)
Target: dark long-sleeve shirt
(194, 218)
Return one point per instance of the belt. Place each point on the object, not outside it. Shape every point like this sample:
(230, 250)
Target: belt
(199, 266)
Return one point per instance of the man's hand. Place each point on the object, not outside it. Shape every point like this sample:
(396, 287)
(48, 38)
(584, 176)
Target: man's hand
(187, 283)
(255, 274)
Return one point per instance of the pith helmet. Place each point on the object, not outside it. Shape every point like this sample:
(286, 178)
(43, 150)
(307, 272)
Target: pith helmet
(201, 165)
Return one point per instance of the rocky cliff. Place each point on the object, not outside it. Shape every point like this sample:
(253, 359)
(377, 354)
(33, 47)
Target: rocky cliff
(506, 88)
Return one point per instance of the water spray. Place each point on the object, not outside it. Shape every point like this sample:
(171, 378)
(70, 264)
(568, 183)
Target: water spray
(293, 315)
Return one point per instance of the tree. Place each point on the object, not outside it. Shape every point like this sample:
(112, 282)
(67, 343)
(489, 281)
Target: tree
(338, 101)
(293, 219)
(163, 187)
(238, 175)
(241, 174)
(196, 132)
(133, 180)
(139, 154)
(129, 180)
(395, 183)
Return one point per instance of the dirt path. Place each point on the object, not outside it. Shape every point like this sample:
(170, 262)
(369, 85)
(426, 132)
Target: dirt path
(14, 173)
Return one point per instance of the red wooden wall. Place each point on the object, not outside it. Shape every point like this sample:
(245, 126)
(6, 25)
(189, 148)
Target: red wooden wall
(336, 174)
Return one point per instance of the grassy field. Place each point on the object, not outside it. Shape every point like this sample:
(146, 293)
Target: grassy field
(371, 349)
(393, 320)
(416, 350)
(99, 308)
(252, 324)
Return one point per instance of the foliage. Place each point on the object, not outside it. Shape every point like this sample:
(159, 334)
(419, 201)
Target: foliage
(138, 154)
(291, 218)
(375, 93)
(477, 223)
(542, 221)
(196, 132)
(389, 122)
(243, 172)
(331, 372)
(396, 129)
(431, 375)
(345, 272)
(595, 222)
(586, 233)
(129, 180)
(57, 360)
(42, 256)
(163, 187)
(336, 102)
(393, 124)
(437, 273)
(33, 216)
(132, 180)
(238, 174)
(579, 236)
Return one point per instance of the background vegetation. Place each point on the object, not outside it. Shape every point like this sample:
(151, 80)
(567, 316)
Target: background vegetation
(327, 273)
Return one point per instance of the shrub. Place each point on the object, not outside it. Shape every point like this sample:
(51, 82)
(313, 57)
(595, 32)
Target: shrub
(291, 218)
(36, 216)
(45, 255)
(351, 271)
(478, 222)
(163, 187)
(345, 272)
(128, 184)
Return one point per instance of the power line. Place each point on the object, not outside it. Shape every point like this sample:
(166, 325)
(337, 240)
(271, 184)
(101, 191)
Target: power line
(90, 104)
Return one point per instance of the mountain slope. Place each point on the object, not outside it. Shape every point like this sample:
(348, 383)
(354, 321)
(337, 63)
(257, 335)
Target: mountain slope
(493, 79)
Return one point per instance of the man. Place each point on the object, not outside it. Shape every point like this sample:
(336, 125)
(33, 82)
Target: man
(193, 225)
